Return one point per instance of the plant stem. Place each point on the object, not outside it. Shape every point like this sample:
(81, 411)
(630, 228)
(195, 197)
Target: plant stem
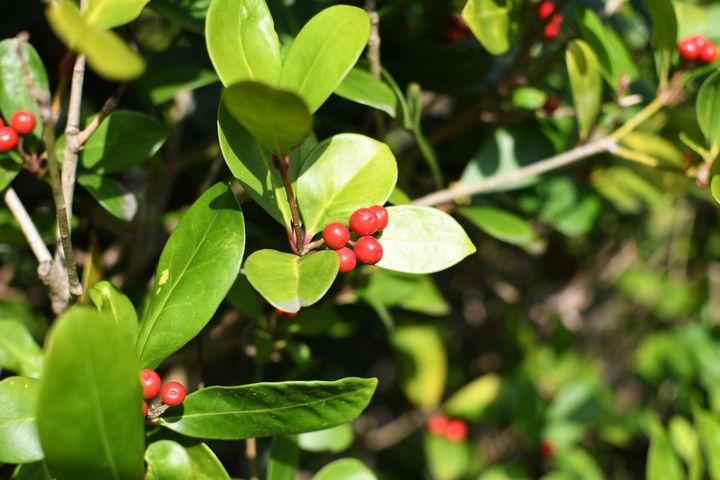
(373, 56)
(282, 166)
(251, 453)
(313, 245)
(395, 431)
(651, 109)
(72, 132)
(28, 228)
(110, 105)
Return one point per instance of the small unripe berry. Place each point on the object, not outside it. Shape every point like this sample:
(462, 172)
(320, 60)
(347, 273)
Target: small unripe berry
(368, 250)
(336, 235)
(437, 424)
(456, 431)
(688, 50)
(364, 222)
(382, 215)
(23, 122)
(8, 139)
(708, 54)
(151, 383)
(173, 393)
(545, 9)
(346, 258)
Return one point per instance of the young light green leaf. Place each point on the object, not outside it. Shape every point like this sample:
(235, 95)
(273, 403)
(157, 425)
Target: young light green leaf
(288, 281)
(447, 460)
(14, 95)
(111, 195)
(284, 458)
(19, 442)
(417, 293)
(278, 119)
(708, 112)
(344, 173)
(684, 438)
(500, 224)
(269, 409)
(662, 462)
(709, 428)
(586, 84)
(167, 460)
(324, 51)
(361, 87)
(472, 400)
(107, 14)
(197, 267)
(124, 140)
(489, 21)
(114, 303)
(422, 240)
(32, 471)
(664, 33)
(331, 440)
(204, 465)
(242, 41)
(89, 407)
(345, 469)
(18, 351)
(106, 53)
(715, 187)
(423, 363)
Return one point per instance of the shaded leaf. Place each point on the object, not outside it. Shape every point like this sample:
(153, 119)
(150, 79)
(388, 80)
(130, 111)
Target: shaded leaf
(18, 351)
(489, 20)
(500, 224)
(345, 469)
(586, 84)
(472, 400)
(664, 33)
(284, 458)
(111, 195)
(709, 428)
(662, 461)
(708, 112)
(361, 87)
(204, 465)
(423, 363)
(332, 440)
(19, 442)
(167, 460)
(108, 299)
(446, 460)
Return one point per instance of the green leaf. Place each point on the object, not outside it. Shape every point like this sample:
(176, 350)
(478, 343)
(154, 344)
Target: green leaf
(324, 51)
(242, 41)
(204, 465)
(284, 458)
(106, 53)
(414, 100)
(278, 119)
(664, 32)
(167, 460)
(18, 351)
(662, 461)
(709, 429)
(361, 87)
(19, 442)
(446, 460)
(472, 400)
(269, 409)
(715, 188)
(586, 84)
(344, 173)
(345, 469)
(422, 240)
(89, 407)
(111, 195)
(14, 95)
(684, 438)
(489, 20)
(189, 14)
(500, 224)
(331, 440)
(32, 471)
(114, 303)
(288, 281)
(8, 171)
(417, 293)
(197, 267)
(423, 363)
(124, 140)
(708, 112)
(106, 14)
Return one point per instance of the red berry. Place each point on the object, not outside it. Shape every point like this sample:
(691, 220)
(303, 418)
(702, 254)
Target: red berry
(545, 9)
(364, 222)
(437, 424)
(547, 449)
(173, 393)
(688, 50)
(151, 383)
(145, 409)
(8, 139)
(286, 314)
(708, 53)
(552, 29)
(551, 104)
(368, 250)
(347, 259)
(23, 122)
(699, 40)
(2, 124)
(456, 431)
(336, 235)
(382, 215)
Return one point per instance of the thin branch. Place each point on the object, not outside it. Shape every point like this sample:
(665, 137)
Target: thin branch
(251, 453)
(373, 52)
(110, 105)
(72, 132)
(282, 166)
(28, 228)
(395, 431)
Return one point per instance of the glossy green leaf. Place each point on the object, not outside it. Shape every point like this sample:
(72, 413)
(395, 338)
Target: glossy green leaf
(284, 458)
(89, 407)
(278, 119)
(197, 267)
(331, 440)
(289, 282)
(269, 409)
(417, 293)
(8, 171)
(664, 33)
(500, 224)
(167, 460)
(684, 438)
(242, 41)
(446, 460)
(489, 20)
(586, 84)
(344, 173)
(345, 469)
(111, 195)
(422, 240)
(124, 140)
(423, 363)
(708, 426)
(708, 112)
(106, 52)
(106, 14)
(204, 465)
(32, 471)
(18, 351)
(108, 299)
(19, 442)
(324, 51)
(14, 95)
(662, 461)
(715, 188)
(361, 87)
(472, 400)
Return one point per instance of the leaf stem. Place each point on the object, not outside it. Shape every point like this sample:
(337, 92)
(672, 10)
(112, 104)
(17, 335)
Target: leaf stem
(643, 115)
(109, 106)
(282, 166)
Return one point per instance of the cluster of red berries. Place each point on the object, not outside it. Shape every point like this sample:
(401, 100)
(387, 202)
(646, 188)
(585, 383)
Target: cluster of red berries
(698, 48)
(171, 393)
(553, 21)
(21, 123)
(364, 222)
(454, 430)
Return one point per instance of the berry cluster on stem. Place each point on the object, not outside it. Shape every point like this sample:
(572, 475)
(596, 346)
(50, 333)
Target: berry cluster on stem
(455, 430)
(697, 48)
(171, 393)
(547, 12)
(21, 123)
(364, 222)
